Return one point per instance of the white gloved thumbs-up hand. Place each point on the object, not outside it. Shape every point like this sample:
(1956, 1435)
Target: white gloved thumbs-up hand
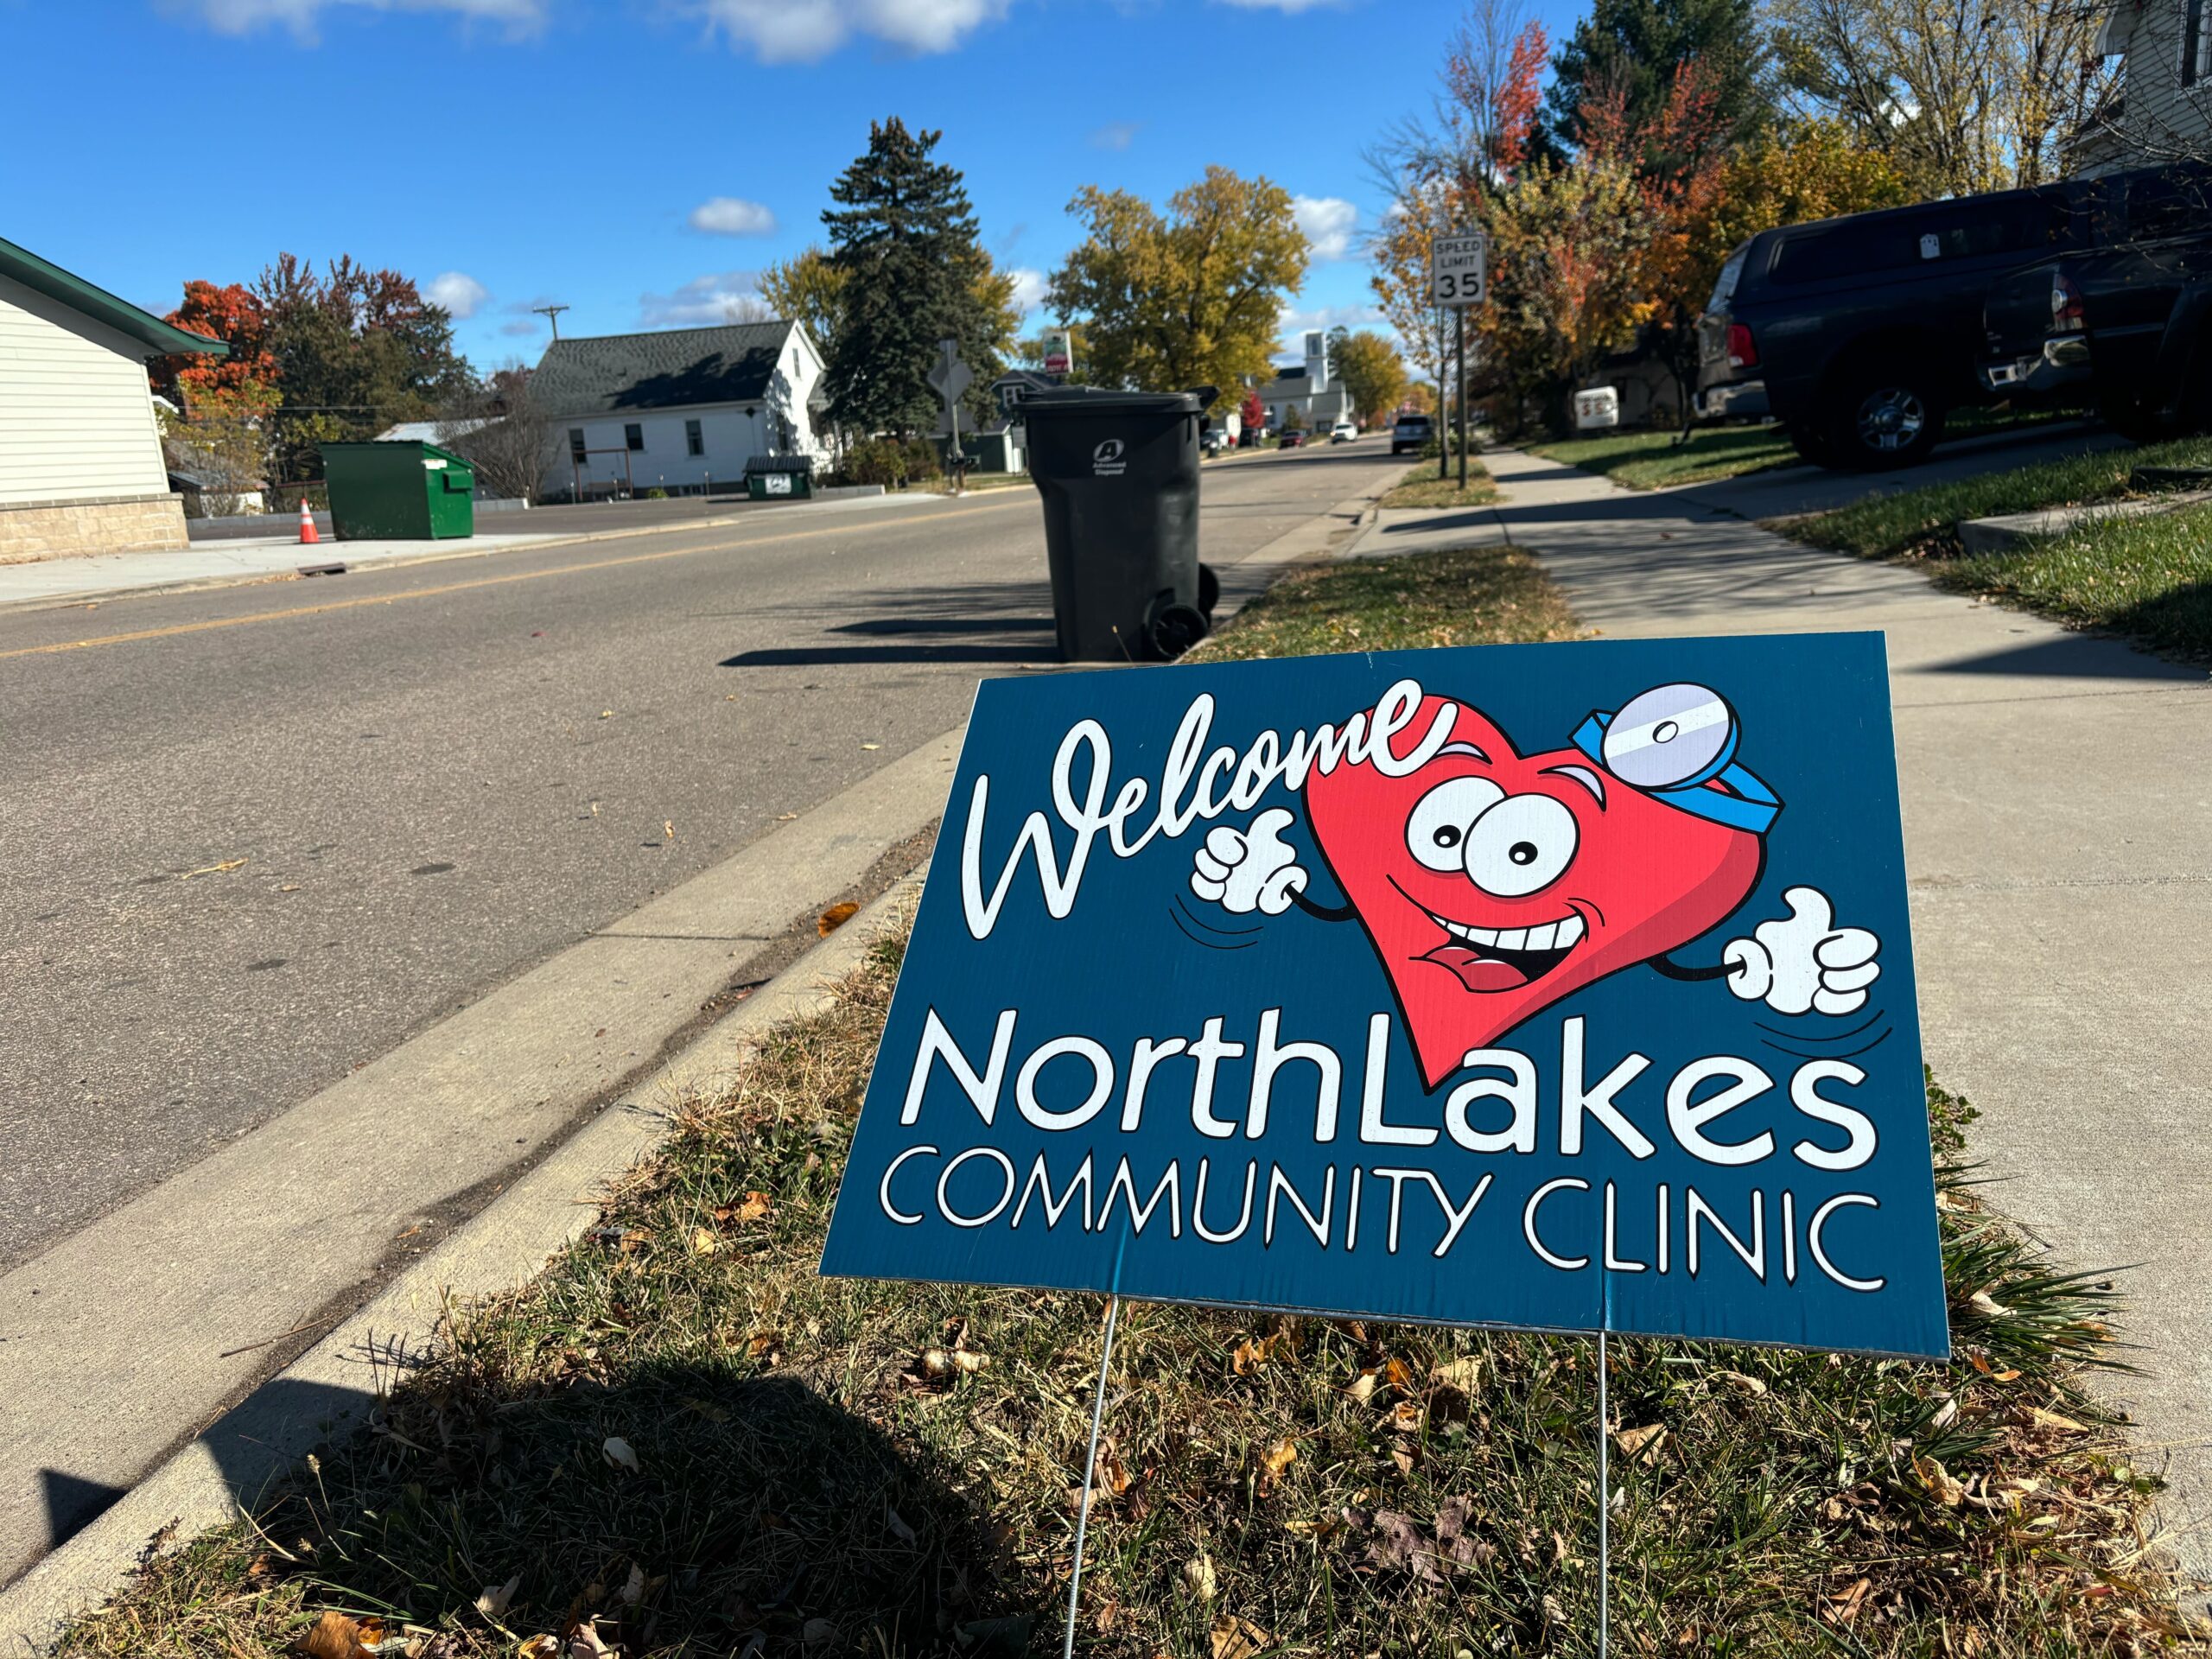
(1245, 870)
(1804, 963)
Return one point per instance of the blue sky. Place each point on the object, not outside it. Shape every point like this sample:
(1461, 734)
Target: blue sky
(637, 160)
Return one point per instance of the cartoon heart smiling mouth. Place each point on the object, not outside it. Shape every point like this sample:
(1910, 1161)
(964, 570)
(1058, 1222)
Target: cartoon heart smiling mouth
(1492, 884)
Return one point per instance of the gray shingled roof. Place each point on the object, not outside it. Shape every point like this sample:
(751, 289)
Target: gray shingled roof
(674, 368)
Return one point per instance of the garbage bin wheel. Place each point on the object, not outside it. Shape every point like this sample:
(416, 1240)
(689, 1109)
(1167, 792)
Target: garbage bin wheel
(1173, 628)
(1209, 589)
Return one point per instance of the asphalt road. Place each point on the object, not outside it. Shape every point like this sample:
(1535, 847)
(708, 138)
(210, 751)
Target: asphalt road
(260, 835)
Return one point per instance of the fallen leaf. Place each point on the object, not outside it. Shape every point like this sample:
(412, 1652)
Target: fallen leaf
(668, 829)
(2052, 1419)
(754, 1206)
(818, 1634)
(786, 817)
(871, 745)
(708, 1409)
(586, 1643)
(703, 1242)
(1846, 1606)
(1463, 1373)
(1399, 1376)
(228, 864)
(540, 1647)
(1407, 1417)
(336, 1637)
(1361, 1388)
(1948, 1491)
(617, 1453)
(1641, 1444)
(765, 1344)
(1239, 1638)
(633, 1587)
(498, 1598)
(1199, 1578)
(834, 918)
(898, 1526)
(1748, 1384)
(1983, 1303)
(1279, 1457)
(607, 714)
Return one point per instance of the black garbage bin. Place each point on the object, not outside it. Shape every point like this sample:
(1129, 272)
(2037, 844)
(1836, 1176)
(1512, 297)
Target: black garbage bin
(1119, 474)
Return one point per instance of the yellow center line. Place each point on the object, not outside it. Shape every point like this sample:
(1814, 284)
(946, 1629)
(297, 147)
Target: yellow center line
(463, 587)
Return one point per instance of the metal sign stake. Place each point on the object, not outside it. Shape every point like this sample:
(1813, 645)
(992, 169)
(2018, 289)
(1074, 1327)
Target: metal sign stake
(1604, 1510)
(1089, 1466)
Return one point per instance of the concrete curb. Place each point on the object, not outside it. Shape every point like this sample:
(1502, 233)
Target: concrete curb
(330, 1390)
(335, 550)
(2012, 531)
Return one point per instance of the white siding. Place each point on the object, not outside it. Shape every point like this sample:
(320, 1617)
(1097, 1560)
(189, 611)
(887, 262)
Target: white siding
(2163, 118)
(731, 433)
(76, 418)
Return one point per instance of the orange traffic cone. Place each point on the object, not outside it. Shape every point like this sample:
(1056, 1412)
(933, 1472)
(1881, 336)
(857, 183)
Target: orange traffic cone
(308, 535)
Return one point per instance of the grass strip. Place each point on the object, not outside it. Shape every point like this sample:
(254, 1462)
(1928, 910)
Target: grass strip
(1422, 487)
(2150, 579)
(1459, 596)
(680, 1439)
(1924, 523)
(1652, 460)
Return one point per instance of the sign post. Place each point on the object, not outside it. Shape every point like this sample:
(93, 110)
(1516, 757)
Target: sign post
(949, 378)
(1459, 277)
(1566, 988)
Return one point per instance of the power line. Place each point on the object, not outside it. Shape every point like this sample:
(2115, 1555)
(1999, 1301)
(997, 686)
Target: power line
(552, 315)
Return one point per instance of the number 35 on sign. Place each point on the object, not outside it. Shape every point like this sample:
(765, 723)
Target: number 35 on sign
(1459, 270)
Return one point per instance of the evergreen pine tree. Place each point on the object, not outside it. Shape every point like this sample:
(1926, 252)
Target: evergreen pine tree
(903, 237)
(1636, 45)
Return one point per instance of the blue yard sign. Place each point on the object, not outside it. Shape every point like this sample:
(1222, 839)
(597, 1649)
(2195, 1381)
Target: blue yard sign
(1564, 987)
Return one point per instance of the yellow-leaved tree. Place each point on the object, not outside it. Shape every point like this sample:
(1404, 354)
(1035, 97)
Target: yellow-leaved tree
(1186, 298)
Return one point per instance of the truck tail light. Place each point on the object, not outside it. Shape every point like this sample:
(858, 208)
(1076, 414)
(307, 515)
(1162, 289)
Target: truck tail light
(2066, 314)
(1742, 350)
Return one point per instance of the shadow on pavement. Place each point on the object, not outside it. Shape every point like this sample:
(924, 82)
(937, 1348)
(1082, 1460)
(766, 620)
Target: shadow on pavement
(2073, 656)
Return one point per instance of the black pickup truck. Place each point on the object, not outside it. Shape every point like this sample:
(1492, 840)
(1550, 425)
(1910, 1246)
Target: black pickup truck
(2126, 324)
(1860, 334)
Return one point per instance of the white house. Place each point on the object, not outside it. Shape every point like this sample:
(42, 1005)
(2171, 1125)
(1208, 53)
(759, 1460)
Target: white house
(2158, 106)
(1307, 387)
(676, 409)
(80, 456)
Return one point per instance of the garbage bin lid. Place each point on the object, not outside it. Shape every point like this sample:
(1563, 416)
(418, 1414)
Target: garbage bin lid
(1095, 399)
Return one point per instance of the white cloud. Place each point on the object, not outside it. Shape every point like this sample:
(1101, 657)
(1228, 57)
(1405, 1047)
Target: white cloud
(1114, 134)
(732, 216)
(1293, 322)
(702, 302)
(1029, 289)
(1328, 222)
(460, 294)
(788, 31)
(518, 328)
(1291, 6)
(300, 16)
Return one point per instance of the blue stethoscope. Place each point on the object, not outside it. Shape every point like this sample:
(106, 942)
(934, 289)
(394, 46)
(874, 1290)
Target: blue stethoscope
(1670, 742)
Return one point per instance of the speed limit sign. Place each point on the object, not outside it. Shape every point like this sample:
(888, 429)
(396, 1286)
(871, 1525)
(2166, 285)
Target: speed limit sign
(1459, 270)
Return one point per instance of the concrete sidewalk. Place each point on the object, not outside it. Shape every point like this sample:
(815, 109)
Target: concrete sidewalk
(228, 559)
(2057, 792)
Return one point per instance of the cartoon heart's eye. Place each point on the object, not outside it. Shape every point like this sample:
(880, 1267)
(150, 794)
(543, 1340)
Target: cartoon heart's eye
(1520, 845)
(1437, 831)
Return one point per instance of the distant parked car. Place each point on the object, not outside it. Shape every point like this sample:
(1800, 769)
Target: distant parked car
(1342, 432)
(1291, 438)
(2127, 326)
(1213, 440)
(1411, 432)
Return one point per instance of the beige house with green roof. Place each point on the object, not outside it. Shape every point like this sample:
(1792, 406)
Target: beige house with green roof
(80, 454)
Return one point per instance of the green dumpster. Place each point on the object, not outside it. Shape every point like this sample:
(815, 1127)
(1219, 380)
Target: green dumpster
(779, 478)
(398, 492)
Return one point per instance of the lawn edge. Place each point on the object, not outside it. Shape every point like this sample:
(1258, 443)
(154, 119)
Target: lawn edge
(325, 1394)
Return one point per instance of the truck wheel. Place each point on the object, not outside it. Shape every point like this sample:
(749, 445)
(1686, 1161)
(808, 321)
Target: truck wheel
(1885, 416)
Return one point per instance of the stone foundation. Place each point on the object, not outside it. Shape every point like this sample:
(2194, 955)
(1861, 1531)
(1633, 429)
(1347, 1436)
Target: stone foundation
(31, 531)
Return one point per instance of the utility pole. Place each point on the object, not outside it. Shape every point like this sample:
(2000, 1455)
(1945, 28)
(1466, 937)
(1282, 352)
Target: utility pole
(552, 315)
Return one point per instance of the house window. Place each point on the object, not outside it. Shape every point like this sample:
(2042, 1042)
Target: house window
(2194, 64)
(695, 440)
(634, 435)
(575, 443)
